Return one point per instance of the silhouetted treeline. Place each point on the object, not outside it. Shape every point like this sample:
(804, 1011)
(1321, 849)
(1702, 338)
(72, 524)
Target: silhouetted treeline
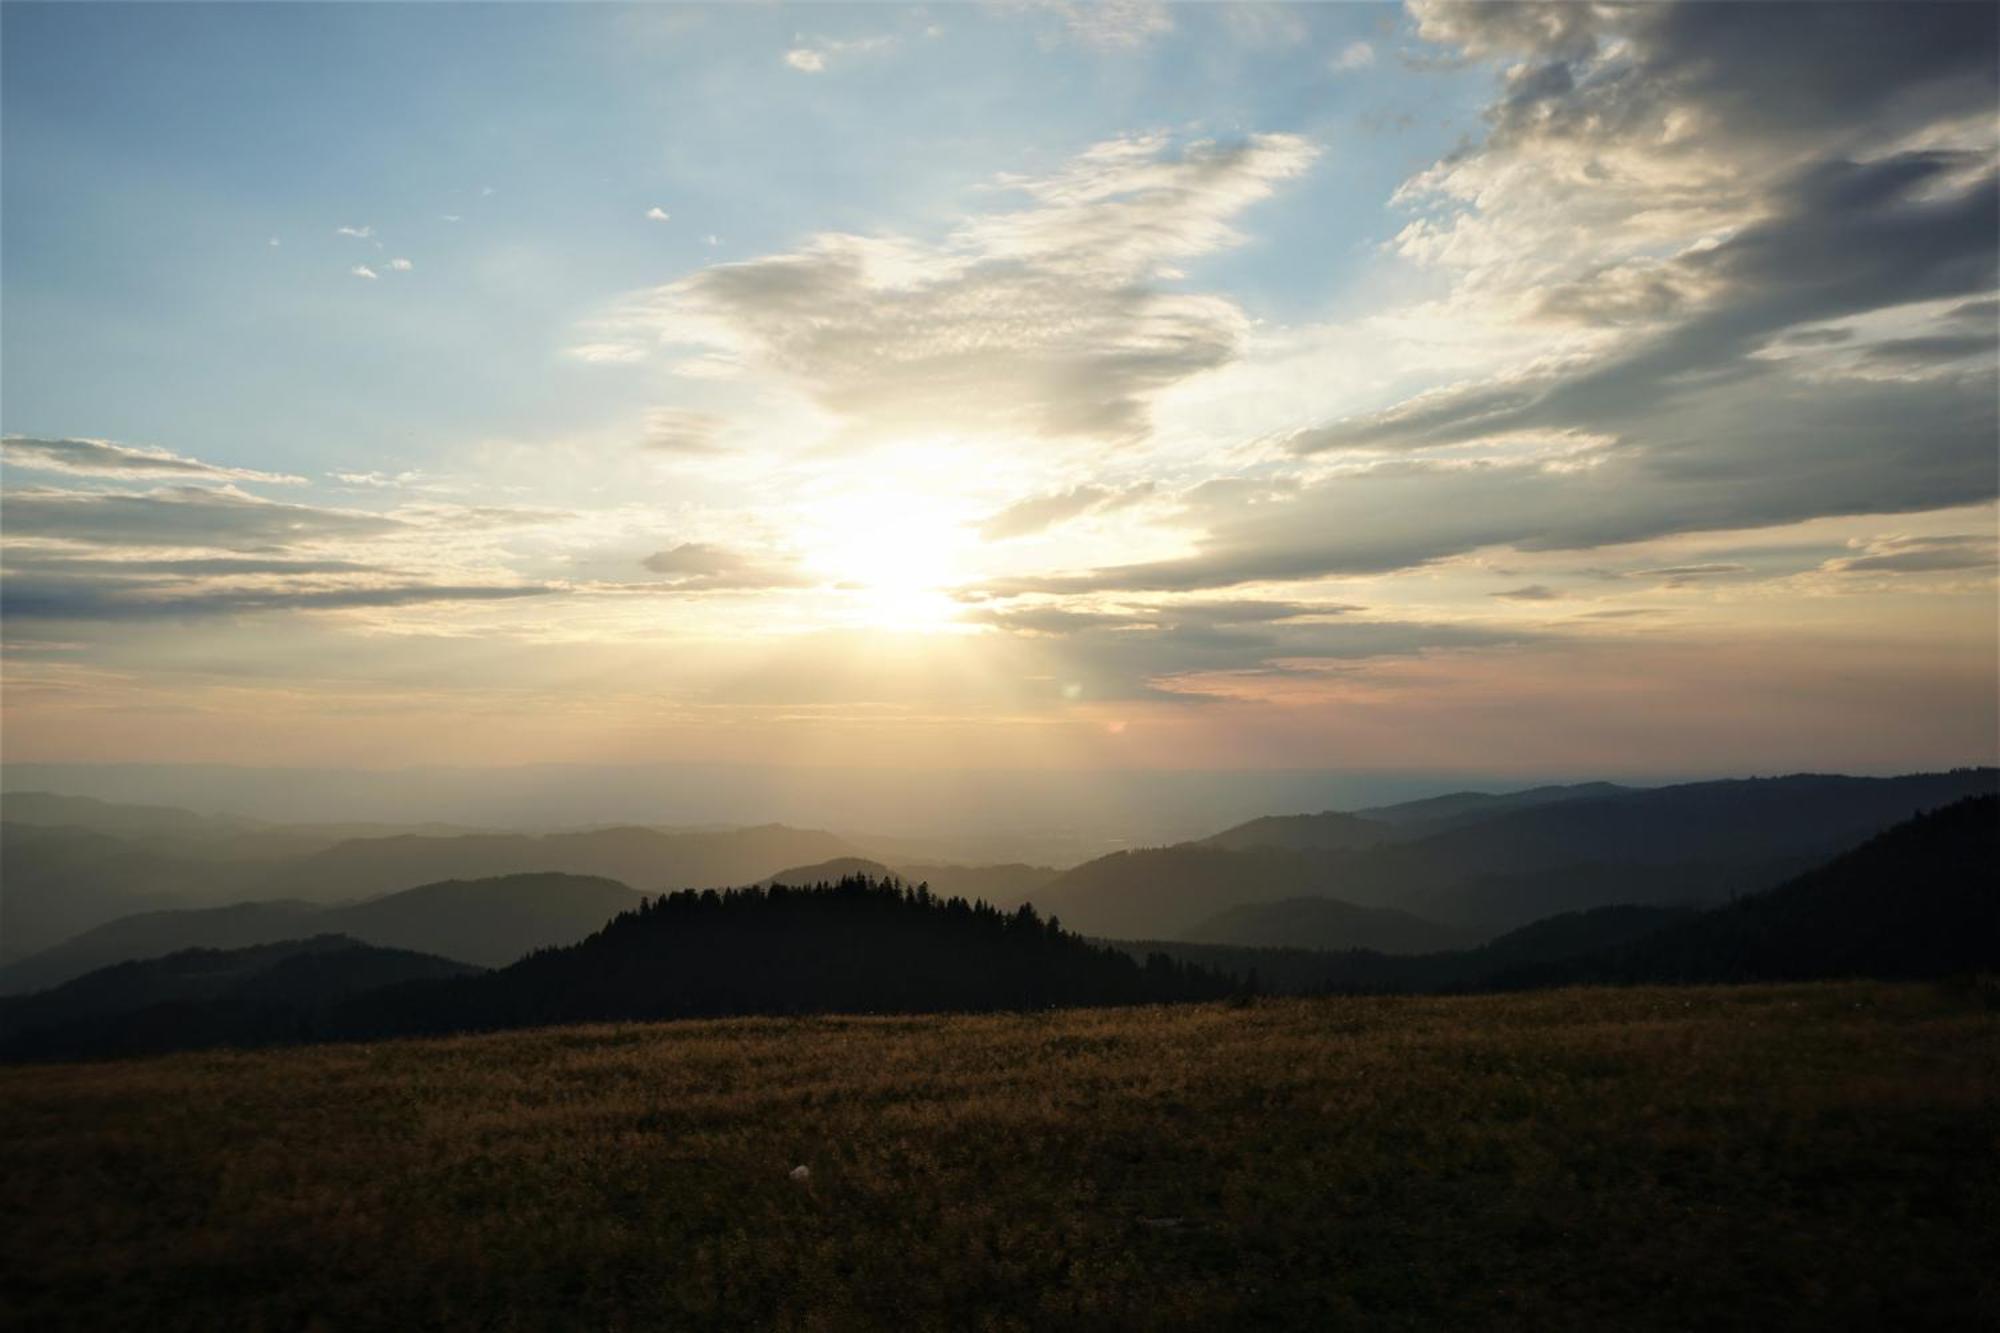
(856, 946)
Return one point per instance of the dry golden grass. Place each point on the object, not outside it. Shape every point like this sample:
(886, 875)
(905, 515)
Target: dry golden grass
(1794, 1156)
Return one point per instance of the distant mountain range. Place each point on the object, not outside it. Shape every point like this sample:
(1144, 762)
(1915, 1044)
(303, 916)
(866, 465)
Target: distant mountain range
(856, 946)
(62, 880)
(1491, 864)
(1418, 877)
(1921, 900)
(488, 922)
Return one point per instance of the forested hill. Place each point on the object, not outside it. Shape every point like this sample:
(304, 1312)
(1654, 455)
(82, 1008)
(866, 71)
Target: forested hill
(858, 946)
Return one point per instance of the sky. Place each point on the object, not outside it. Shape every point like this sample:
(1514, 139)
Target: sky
(1520, 389)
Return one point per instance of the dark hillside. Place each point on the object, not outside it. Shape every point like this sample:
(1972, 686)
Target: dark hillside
(489, 922)
(1329, 923)
(62, 880)
(859, 946)
(1329, 829)
(1922, 900)
(1434, 814)
(207, 997)
(1286, 970)
(1700, 843)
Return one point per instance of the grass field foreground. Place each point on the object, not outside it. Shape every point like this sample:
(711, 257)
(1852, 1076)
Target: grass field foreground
(1739, 1157)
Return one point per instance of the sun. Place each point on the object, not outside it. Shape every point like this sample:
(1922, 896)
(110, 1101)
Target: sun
(890, 552)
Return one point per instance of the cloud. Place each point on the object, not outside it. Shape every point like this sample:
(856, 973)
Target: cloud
(1843, 238)
(1921, 555)
(358, 233)
(1110, 25)
(1041, 511)
(104, 458)
(1675, 194)
(1163, 649)
(377, 480)
(363, 271)
(658, 214)
(676, 431)
(1933, 349)
(1679, 576)
(700, 567)
(1040, 320)
(42, 561)
(196, 517)
(1264, 26)
(813, 58)
(401, 265)
(1037, 512)
(1355, 55)
(45, 599)
(1534, 592)
(608, 354)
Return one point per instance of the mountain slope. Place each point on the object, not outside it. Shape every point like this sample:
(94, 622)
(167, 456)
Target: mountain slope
(1434, 814)
(1693, 844)
(1005, 885)
(857, 947)
(1328, 923)
(204, 997)
(62, 880)
(49, 808)
(1307, 971)
(487, 922)
(830, 872)
(1921, 900)
(1329, 829)
(645, 858)
(491, 921)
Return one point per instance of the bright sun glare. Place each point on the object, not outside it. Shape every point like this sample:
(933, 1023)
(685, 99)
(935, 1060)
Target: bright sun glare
(892, 552)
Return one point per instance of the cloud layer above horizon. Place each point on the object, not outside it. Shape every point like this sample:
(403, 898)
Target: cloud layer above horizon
(1534, 387)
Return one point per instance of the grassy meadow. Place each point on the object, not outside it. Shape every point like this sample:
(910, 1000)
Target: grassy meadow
(1801, 1156)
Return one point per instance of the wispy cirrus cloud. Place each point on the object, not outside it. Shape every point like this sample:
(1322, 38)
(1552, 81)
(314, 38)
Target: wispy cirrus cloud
(1110, 25)
(107, 458)
(814, 55)
(201, 517)
(702, 567)
(1042, 319)
(27, 598)
(1944, 553)
(1038, 512)
(680, 431)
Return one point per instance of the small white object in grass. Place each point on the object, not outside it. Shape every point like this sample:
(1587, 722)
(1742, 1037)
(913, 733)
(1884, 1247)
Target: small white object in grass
(802, 1174)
